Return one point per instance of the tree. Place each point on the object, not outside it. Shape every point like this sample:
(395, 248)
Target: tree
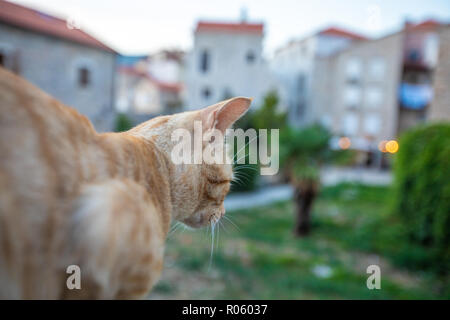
(266, 117)
(421, 197)
(302, 152)
(123, 123)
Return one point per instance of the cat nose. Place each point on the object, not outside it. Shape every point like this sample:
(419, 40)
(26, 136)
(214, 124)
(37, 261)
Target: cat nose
(222, 210)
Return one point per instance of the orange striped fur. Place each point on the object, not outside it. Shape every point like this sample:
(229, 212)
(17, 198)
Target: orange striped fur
(104, 202)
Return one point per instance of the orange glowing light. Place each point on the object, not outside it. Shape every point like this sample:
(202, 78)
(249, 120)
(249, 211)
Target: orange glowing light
(382, 145)
(392, 146)
(344, 143)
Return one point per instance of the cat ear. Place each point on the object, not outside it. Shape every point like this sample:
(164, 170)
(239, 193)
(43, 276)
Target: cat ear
(222, 115)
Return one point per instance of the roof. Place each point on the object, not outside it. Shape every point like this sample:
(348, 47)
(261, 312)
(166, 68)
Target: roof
(164, 86)
(429, 24)
(41, 22)
(241, 27)
(334, 31)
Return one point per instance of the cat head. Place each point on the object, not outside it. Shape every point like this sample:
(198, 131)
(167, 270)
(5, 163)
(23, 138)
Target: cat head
(197, 190)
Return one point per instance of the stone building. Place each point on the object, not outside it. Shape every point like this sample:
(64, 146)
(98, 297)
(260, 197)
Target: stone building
(375, 89)
(355, 91)
(226, 60)
(440, 106)
(420, 59)
(149, 86)
(295, 66)
(61, 59)
(141, 96)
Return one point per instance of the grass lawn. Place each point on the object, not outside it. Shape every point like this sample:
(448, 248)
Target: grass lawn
(259, 258)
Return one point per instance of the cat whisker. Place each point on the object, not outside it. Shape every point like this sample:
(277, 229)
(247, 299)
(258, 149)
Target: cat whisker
(242, 173)
(212, 244)
(245, 166)
(218, 233)
(237, 180)
(174, 225)
(244, 147)
(245, 177)
(232, 223)
(237, 161)
(222, 224)
(174, 228)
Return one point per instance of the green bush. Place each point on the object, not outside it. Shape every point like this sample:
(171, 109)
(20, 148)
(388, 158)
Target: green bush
(123, 123)
(247, 177)
(266, 117)
(246, 174)
(422, 192)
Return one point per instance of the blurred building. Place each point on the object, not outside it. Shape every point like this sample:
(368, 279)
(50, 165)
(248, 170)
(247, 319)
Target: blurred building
(420, 57)
(367, 90)
(167, 66)
(57, 56)
(149, 86)
(440, 105)
(379, 88)
(295, 64)
(227, 60)
(354, 92)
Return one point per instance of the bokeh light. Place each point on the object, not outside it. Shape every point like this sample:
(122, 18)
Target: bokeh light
(392, 146)
(344, 143)
(382, 145)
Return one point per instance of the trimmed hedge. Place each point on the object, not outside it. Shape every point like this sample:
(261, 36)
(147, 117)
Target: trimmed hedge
(422, 191)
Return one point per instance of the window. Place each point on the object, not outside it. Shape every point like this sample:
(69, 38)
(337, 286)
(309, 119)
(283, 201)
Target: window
(204, 61)
(206, 93)
(350, 124)
(301, 83)
(431, 50)
(353, 69)
(352, 96)
(372, 124)
(377, 68)
(250, 57)
(374, 97)
(10, 58)
(83, 72)
(122, 103)
(414, 55)
(300, 110)
(84, 77)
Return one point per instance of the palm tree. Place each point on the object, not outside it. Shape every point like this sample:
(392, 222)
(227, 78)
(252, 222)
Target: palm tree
(303, 151)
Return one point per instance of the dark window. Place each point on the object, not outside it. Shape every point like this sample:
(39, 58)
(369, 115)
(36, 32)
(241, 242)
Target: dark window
(206, 93)
(250, 57)
(353, 80)
(414, 55)
(300, 110)
(301, 83)
(83, 77)
(204, 61)
(10, 60)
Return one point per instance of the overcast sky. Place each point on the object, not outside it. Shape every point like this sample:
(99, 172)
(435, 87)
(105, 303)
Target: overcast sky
(143, 26)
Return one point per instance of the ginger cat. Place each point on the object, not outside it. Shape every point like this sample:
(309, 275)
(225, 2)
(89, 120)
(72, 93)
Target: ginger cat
(103, 202)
